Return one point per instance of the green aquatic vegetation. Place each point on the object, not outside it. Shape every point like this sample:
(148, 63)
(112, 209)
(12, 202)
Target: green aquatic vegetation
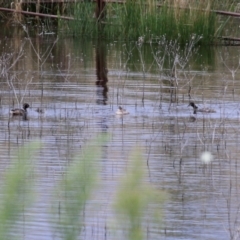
(84, 23)
(17, 190)
(195, 19)
(133, 19)
(134, 196)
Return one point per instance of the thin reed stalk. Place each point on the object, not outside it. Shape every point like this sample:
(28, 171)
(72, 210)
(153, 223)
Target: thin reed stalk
(134, 197)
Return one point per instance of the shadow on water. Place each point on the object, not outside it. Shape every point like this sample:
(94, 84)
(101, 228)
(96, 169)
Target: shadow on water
(80, 84)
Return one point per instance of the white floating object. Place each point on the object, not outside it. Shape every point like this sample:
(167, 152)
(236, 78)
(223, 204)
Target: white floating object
(121, 111)
(206, 157)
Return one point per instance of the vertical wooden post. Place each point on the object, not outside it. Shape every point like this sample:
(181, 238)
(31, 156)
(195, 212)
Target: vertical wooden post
(100, 10)
(18, 7)
(37, 8)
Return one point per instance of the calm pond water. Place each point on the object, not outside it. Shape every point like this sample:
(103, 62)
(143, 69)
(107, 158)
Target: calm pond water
(80, 85)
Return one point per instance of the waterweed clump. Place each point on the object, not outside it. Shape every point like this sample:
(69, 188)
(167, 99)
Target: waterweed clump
(133, 198)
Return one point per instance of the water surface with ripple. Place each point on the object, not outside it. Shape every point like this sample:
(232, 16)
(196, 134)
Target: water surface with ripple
(80, 85)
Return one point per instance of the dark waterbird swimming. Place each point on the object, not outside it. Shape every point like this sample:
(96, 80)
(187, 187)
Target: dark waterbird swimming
(20, 111)
(203, 110)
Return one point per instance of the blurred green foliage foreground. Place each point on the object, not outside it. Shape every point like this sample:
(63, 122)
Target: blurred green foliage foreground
(134, 197)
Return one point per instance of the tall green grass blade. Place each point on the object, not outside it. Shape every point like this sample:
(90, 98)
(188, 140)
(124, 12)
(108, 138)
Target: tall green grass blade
(16, 193)
(76, 188)
(134, 196)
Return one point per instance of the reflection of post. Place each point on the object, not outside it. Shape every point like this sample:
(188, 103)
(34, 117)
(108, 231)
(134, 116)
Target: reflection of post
(173, 84)
(100, 10)
(101, 73)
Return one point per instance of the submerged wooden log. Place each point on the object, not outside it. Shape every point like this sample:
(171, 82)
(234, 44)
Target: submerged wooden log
(230, 41)
(230, 38)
